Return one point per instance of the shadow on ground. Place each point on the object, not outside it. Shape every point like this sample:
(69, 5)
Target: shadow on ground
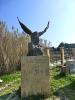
(15, 96)
(35, 97)
(3, 97)
(58, 76)
(67, 92)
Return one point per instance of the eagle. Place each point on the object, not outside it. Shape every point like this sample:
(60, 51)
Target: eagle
(34, 35)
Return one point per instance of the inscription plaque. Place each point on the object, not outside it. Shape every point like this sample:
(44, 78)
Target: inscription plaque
(35, 75)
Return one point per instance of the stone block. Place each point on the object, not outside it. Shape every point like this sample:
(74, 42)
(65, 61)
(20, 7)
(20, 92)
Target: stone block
(35, 75)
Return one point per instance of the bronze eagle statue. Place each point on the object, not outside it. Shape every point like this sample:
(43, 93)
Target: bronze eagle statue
(34, 35)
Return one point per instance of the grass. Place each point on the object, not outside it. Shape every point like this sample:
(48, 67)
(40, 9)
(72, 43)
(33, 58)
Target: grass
(62, 85)
(59, 85)
(10, 78)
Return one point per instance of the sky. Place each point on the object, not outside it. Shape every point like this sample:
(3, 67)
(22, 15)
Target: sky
(36, 13)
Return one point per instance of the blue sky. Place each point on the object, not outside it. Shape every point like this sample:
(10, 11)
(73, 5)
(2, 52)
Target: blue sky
(36, 13)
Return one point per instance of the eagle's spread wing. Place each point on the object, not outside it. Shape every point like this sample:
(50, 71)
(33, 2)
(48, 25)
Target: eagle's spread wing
(25, 28)
(40, 33)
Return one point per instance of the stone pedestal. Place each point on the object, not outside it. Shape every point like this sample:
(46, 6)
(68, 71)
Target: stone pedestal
(35, 75)
(46, 52)
(62, 55)
(70, 66)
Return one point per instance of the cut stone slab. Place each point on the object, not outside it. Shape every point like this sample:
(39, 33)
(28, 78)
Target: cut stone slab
(35, 75)
(71, 66)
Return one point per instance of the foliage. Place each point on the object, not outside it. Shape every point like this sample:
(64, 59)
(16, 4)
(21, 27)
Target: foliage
(10, 78)
(62, 84)
(12, 47)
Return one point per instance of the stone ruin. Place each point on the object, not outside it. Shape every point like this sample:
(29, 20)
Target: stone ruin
(67, 66)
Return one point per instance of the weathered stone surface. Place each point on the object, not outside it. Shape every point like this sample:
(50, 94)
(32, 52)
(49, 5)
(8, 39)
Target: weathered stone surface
(62, 55)
(70, 66)
(35, 75)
